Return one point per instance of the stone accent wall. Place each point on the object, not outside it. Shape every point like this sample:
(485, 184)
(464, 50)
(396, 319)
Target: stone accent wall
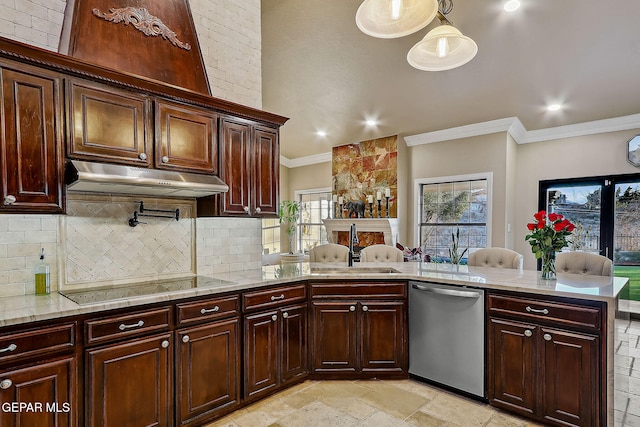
(229, 33)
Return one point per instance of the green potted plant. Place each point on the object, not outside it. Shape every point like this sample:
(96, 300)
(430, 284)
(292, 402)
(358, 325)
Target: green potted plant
(454, 256)
(289, 213)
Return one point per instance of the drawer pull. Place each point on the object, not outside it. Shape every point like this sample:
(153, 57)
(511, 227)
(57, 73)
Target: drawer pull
(185, 338)
(527, 333)
(124, 327)
(5, 384)
(547, 337)
(274, 317)
(210, 310)
(533, 310)
(274, 298)
(165, 344)
(11, 347)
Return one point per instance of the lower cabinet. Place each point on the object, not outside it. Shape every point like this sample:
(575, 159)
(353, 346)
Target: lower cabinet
(207, 370)
(275, 351)
(50, 390)
(544, 372)
(130, 383)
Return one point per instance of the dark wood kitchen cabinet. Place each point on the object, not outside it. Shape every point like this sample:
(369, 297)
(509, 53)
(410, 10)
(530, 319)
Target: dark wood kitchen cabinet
(31, 149)
(359, 330)
(208, 364)
(544, 360)
(108, 124)
(275, 338)
(130, 383)
(250, 166)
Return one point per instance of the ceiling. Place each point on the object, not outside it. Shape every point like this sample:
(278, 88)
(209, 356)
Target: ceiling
(323, 73)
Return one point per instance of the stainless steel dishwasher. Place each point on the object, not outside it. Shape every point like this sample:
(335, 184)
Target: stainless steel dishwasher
(446, 335)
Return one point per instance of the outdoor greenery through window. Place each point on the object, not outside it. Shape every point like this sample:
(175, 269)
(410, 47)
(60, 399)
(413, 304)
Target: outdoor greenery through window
(447, 207)
(314, 207)
(270, 235)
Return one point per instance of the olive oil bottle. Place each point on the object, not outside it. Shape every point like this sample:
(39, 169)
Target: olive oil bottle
(42, 276)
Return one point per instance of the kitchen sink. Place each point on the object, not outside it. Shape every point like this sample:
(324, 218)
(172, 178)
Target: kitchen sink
(354, 270)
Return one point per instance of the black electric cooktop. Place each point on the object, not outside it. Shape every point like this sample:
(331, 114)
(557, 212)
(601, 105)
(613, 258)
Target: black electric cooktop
(121, 292)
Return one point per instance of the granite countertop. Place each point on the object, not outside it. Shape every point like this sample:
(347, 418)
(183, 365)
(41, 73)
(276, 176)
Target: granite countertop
(31, 308)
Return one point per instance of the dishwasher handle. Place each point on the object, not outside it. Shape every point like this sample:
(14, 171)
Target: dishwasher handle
(448, 292)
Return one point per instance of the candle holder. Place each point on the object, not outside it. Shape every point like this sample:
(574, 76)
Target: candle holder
(370, 209)
(340, 211)
(387, 197)
(379, 207)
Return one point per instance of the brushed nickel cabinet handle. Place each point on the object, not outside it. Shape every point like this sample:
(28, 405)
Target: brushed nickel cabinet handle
(11, 347)
(165, 159)
(185, 338)
(124, 327)
(352, 308)
(528, 333)
(285, 315)
(547, 337)
(142, 156)
(258, 210)
(165, 344)
(210, 310)
(274, 298)
(533, 310)
(274, 317)
(5, 384)
(9, 200)
(365, 308)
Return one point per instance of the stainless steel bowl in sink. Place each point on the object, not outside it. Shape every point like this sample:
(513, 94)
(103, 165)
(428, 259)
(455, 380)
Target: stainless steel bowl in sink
(354, 270)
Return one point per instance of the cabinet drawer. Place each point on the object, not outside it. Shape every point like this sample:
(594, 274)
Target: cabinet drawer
(48, 339)
(274, 297)
(214, 308)
(360, 290)
(125, 325)
(559, 313)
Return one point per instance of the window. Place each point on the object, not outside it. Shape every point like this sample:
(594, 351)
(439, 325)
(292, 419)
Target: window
(449, 206)
(270, 235)
(314, 207)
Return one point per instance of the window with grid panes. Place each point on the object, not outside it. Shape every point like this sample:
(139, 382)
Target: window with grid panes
(270, 235)
(445, 208)
(314, 207)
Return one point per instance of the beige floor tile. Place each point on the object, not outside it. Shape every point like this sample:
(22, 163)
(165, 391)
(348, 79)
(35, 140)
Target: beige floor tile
(299, 400)
(458, 410)
(421, 419)
(353, 406)
(318, 414)
(415, 387)
(503, 420)
(382, 419)
(393, 400)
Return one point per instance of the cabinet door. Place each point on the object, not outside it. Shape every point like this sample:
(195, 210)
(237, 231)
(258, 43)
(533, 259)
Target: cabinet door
(48, 387)
(569, 373)
(208, 370)
(383, 336)
(31, 151)
(129, 384)
(235, 170)
(186, 138)
(334, 340)
(260, 353)
(107, 124)
(266, 171)
(293, 343)
(511, 373)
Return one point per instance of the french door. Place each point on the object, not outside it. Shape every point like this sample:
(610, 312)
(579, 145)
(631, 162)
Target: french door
(606, 211)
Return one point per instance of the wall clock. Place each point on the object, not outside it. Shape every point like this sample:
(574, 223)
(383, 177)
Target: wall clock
(633, 151)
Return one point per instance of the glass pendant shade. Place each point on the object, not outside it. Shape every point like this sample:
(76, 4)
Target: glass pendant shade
(443, 48)
(394, 18)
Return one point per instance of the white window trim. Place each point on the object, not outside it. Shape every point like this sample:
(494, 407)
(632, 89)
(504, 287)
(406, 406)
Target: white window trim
(436, 180)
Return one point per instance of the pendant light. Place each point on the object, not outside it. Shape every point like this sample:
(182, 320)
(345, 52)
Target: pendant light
(394, 18)
(444, 47)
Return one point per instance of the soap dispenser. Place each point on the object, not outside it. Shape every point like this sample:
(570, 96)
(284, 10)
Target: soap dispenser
(42, 276)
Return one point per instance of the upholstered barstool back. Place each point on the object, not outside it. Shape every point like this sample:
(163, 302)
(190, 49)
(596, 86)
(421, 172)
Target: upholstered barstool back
(495, 257)
(381, 253)
(583, 263)
(329, 252)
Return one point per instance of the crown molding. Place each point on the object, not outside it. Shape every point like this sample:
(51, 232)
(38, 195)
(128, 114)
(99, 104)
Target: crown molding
(511, 125)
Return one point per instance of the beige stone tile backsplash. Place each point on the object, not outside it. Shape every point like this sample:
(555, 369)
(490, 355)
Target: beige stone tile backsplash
(93, 244)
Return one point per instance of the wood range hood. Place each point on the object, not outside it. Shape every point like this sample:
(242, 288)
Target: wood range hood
(150, 38)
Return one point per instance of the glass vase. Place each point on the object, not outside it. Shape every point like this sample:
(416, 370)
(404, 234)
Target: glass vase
(548, 265)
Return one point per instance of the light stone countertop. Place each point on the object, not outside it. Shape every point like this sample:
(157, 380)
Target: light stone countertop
(31, 308)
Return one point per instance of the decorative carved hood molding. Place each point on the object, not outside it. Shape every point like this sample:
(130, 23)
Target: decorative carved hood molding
(150, 38)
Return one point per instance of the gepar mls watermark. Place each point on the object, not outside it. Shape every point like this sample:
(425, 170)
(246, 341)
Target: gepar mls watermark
(35, 407)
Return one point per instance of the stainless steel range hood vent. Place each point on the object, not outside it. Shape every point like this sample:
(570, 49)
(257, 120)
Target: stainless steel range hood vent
(117, 179)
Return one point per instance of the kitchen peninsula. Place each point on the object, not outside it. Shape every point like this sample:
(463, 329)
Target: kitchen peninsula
(208, 317)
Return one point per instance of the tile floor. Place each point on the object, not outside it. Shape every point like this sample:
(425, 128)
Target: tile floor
(410, 403)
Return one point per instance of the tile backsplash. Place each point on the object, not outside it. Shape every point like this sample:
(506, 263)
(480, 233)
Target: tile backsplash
(93, 244)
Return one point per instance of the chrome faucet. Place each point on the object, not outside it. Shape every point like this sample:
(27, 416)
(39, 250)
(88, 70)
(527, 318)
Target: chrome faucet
(353, 240)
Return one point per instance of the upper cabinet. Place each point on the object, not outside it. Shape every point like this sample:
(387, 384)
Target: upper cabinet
(108, 124)
(31, 142)
(250, 166)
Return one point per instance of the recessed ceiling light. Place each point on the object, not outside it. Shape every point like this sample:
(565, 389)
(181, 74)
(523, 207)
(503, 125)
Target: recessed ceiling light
(321, 133)
(371, 122)
(554, 107)
(512, 5)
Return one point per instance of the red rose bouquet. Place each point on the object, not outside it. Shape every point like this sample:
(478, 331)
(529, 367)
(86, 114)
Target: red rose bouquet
(547, 236)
